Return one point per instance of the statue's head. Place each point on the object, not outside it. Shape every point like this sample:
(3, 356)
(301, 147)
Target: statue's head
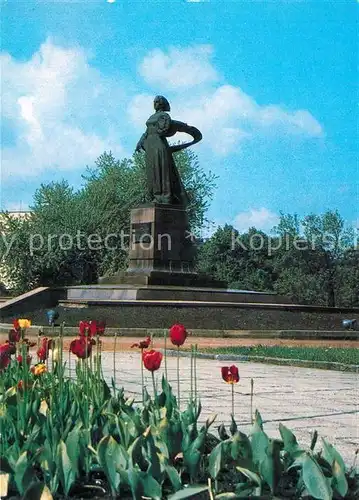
(160, 103)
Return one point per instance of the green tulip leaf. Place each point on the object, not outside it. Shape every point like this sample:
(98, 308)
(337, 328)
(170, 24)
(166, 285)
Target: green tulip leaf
(150, 487)
(330, 454)
(174, 477)
(73, 448)
(233, 427)
(37, 491)
(259, 443)
(189, 493)
(339, 481)
(24, 473)
(314, 479)
(216, 459)
(251, 475)
(155, 465)
(222, 432)
(227, 496)
(66, 471)
(241, 446)
(110, 458)
(289, 439)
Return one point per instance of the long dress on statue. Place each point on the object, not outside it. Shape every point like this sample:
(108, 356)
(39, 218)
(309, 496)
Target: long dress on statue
(163, 179)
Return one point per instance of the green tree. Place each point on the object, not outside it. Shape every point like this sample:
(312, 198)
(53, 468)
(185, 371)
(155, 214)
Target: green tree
(311, 260)
(52, 247)
(330, 238)
(243, 261)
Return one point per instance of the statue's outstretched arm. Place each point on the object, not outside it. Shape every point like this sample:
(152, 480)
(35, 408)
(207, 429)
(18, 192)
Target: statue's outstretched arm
(183, 127)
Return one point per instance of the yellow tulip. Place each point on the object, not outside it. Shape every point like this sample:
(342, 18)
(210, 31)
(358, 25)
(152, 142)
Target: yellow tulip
(24, 323)
(39, 369)
(56, 354)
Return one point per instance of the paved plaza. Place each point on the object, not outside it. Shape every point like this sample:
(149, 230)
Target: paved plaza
(303, 399)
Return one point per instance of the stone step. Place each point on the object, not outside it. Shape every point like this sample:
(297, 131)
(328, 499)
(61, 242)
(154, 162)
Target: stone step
(168, 293)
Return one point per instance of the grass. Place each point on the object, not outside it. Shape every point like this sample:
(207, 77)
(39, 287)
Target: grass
(347, 356)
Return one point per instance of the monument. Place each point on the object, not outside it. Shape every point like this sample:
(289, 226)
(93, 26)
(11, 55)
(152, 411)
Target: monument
(161, 285)
(162, 250)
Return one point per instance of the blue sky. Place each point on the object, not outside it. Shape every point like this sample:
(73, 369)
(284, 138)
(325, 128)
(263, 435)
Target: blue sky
(272, 86)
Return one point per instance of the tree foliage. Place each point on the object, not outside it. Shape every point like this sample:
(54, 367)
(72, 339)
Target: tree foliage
(313, 260)
(63, 241)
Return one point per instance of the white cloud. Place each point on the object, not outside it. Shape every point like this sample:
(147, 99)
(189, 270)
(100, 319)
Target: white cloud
(225, 114)
(178, 68)
(228, 117)
(261, 218)
(58, 107)
(63, 112)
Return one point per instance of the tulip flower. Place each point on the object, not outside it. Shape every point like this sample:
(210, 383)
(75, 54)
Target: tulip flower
(38, 369)
(14, 336)
(24, 323)
(178, 334)
(21, 384)
(4, 362)
(84, 327)
(15, 324)
(101, 326)
(143, 344)
(91, 328)
(5, 352)
(19, 359)
(7, 349)
(231, 376)
(81, 347)
(152, 360)
(43, 351)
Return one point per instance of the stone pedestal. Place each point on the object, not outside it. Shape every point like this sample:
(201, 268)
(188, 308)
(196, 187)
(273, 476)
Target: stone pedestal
(162, 250)
(160, 240)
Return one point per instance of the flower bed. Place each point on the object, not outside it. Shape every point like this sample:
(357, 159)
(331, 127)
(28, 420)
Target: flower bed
(79, 438)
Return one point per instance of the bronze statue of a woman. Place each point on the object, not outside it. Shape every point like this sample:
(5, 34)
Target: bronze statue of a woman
(163, 179)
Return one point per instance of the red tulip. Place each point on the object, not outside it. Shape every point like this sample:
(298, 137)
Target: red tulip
(4, 361)
(14, 336)
(91, 328)
(152, 360)
(19, 358)
(6, 350)
(230, 374)
(84, 327)
(101, 326)
(81, 347)
(178, 334)
(43, 351)
(144, 344)
(16, 324)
